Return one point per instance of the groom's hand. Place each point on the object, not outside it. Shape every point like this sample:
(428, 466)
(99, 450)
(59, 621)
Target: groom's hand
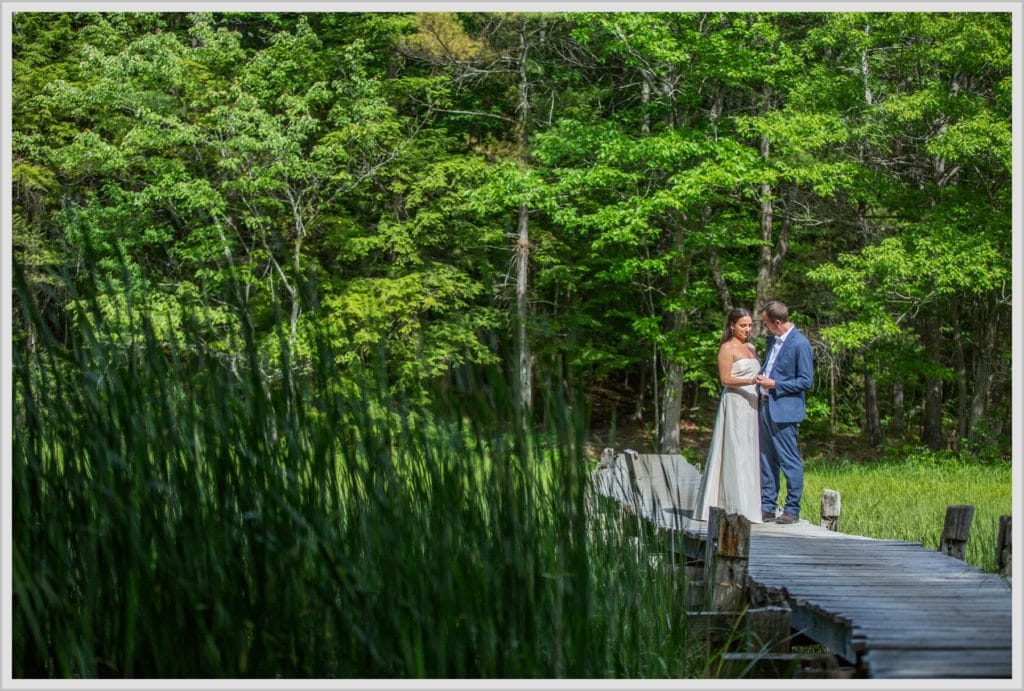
(764, 382)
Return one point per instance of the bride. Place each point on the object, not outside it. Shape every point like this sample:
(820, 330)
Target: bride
(732, 477)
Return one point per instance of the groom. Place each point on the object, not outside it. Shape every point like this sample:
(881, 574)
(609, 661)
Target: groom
(787, 374)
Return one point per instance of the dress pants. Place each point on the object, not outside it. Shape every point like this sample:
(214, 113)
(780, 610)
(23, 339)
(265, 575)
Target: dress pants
(779, 451)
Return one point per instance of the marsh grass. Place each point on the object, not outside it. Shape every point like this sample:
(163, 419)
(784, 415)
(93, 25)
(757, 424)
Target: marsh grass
(180, 512)
(904, 497)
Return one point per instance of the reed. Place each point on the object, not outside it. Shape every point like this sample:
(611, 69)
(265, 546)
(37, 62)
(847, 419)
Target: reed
(181, 511)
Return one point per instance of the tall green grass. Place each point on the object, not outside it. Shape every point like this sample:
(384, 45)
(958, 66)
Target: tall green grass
(904, 497)
(181, 512)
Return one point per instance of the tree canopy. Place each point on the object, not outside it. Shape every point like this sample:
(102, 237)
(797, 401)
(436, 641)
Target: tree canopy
(589, 191)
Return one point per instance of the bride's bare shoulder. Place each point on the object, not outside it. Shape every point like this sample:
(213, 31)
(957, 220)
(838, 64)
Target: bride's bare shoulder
(736, 351)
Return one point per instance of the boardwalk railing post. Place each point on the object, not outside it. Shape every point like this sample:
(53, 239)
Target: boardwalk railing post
(1004, 545)
(715, 514)
(956, 530)
(636, 477)
(831, 505)
(727, 581)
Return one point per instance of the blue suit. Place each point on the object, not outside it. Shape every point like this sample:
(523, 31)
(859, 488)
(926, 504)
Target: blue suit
(779, 413)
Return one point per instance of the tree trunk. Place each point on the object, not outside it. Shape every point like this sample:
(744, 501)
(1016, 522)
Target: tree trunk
(983, 358)
(896, 424)
(673, 407)
(931, 434)
(960, 362)
(872, 418)
(672, 395)
(773, 249)
(523, 309)
(655, 395)
(833, 418)
(765, 280)
(638, 411)
(523, 245)
(721, 287)
(645, 99)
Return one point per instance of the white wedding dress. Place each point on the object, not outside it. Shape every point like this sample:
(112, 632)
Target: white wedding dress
(732, 474)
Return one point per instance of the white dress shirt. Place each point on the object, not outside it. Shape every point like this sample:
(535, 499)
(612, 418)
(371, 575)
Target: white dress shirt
(776, 347)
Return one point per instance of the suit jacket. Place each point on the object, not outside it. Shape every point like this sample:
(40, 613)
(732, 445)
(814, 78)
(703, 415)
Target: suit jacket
(793, 373)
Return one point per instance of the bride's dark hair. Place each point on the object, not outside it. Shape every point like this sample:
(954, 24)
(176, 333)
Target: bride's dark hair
(734, 316)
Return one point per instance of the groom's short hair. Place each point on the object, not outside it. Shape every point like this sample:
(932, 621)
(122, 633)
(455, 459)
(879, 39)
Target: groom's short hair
(776, 311)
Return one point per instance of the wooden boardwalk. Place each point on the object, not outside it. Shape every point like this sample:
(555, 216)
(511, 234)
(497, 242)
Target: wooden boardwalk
(892, 609)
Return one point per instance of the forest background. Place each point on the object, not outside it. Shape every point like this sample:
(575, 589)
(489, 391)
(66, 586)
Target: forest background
(571, 195)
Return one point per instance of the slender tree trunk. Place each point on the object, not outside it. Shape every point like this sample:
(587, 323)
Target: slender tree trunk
(983, 358)
(931, 434)
(897, 423)
(872, 418)
(765, 280)
(672, 402)
(524, 355)
(673, 407)
(1001, 376)
(865, 72)
(773, 249)
(721, 287)
(655, 397)
(833, 419)
(672, 393)
(960, 362)
(645, 99)
(296, 297)
(523, 309)
(638, 411)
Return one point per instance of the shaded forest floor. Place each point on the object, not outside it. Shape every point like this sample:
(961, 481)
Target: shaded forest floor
(613, 423)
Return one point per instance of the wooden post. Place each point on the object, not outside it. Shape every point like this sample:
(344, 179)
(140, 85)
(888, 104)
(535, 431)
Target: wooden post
(831, 505)
(1004, 545)
(715, 514)
(637, 478)
(956, 530)
(727, 581)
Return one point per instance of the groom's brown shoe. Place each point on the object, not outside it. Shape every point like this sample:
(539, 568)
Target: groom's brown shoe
(787, 518)
(767, 516)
